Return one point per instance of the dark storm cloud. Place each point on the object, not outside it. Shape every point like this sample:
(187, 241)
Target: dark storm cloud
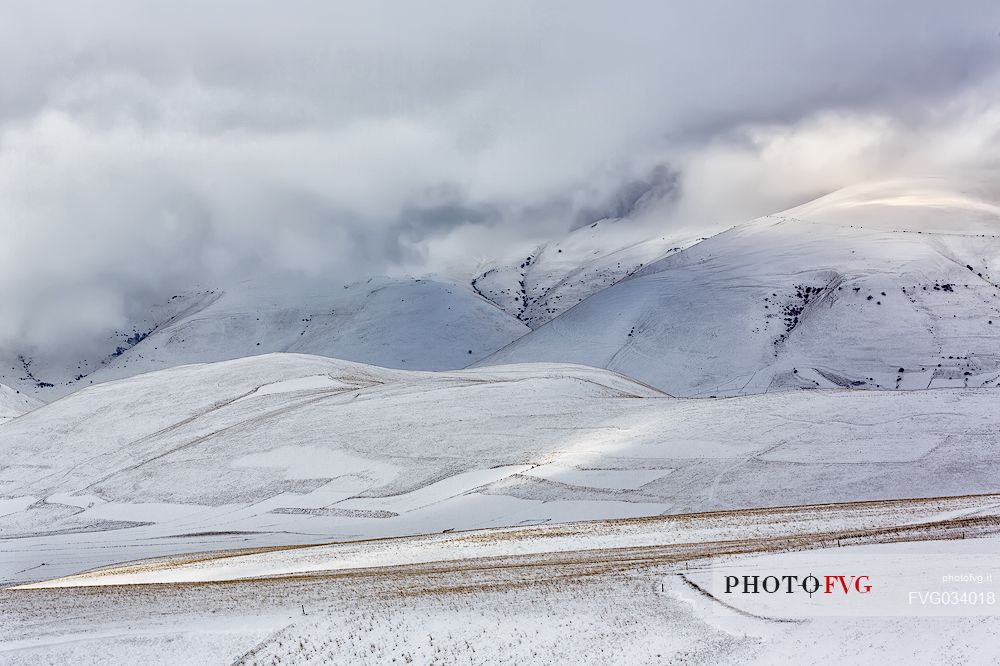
(632, 196)
(148, 145)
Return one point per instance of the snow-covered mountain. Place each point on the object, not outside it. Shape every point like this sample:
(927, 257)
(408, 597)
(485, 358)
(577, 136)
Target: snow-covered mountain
(887, 286)
(288, 448)
(14, 403)
(557, 275)
(420, 324)
(817, 296)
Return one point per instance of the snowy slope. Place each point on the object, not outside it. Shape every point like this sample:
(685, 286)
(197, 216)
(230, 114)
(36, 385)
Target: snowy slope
(620, 592)
(886, 286)
(13, 403)
(406, 323)
(716, 532)
(557, 275)
(290, 448)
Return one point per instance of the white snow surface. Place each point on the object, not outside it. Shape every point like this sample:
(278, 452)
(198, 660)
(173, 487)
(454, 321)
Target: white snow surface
(887, 286)
(543, 544)
(13, 403)
(288, 448)
(373, 603)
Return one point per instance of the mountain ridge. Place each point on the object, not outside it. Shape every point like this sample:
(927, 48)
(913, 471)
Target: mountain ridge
(792, 300)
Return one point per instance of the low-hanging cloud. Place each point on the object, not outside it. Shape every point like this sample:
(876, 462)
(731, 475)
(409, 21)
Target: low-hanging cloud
(146, 147)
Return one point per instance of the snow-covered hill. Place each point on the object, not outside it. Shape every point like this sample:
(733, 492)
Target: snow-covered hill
(556, 276)
(420, 324)
(14, 403)
(288, 448)
(878, 287)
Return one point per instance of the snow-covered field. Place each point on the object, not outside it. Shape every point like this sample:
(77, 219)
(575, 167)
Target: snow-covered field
(281, 449)
(527, 596)
(592, 543)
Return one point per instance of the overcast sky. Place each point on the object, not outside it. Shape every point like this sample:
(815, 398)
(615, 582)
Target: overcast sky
(145, 146)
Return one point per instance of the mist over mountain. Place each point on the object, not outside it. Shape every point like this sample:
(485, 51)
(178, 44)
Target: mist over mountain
(141, 156)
